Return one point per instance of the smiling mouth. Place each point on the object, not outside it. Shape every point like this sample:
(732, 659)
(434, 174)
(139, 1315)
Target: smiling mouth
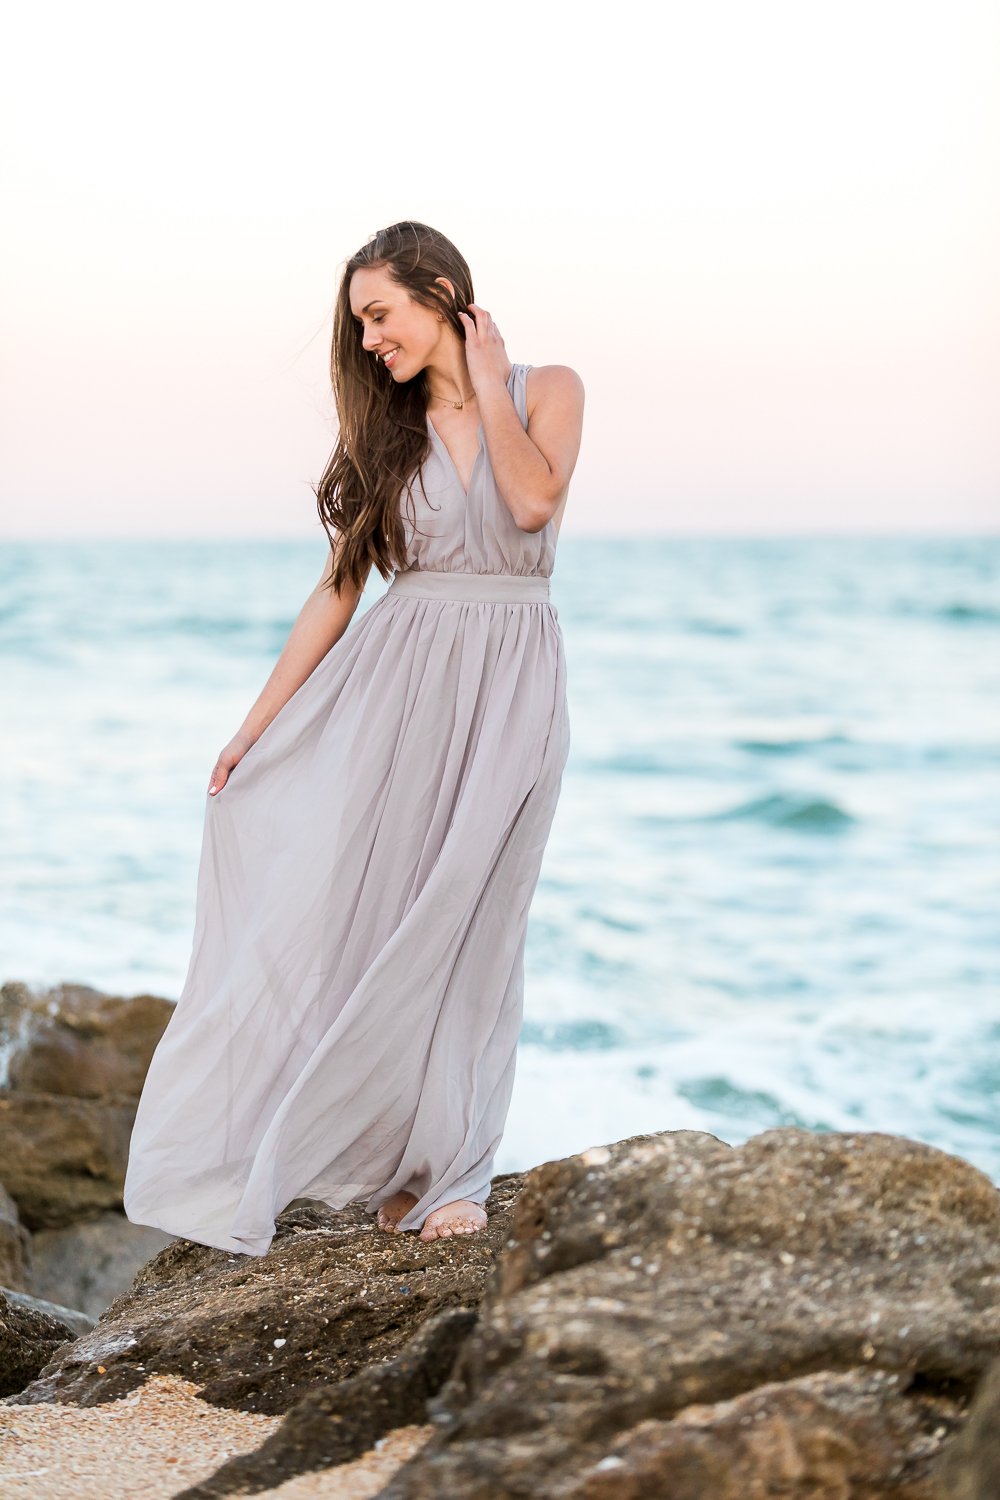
(387, 359)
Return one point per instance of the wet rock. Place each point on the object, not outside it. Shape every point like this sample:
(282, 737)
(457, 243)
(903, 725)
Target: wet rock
(671, 1312)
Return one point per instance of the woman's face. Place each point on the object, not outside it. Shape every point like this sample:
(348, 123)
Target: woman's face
(388, 320)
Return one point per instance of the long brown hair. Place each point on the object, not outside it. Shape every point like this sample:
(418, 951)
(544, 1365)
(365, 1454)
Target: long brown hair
(383, 437)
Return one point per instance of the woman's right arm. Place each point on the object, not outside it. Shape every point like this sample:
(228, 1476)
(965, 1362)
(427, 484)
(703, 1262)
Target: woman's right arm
(321, 622)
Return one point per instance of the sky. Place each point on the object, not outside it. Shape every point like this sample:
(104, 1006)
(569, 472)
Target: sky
(765, 235)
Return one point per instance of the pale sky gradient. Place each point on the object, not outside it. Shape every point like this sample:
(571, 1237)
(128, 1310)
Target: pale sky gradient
(766, 235)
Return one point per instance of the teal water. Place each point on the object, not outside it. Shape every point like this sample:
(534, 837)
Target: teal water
(772, 890)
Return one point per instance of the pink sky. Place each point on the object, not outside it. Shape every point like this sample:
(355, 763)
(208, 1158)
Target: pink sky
(767, 238)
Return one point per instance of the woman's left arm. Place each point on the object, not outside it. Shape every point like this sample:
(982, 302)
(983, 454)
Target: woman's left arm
(533, 468)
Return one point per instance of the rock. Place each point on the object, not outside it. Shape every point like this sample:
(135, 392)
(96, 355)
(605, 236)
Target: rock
(29, 1336)
(70, 1317)
(63, 1159)
(806, 1314)
(970, 1465)
(77, 1041)
(72, 1064)
(15, 1244)
(337, 1423)
(90, 1263)
(333, 1296)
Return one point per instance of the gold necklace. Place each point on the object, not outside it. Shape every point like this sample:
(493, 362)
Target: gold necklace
(458, 404)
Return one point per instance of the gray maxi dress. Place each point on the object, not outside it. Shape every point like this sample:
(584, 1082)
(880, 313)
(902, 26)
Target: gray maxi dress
(349, 1020)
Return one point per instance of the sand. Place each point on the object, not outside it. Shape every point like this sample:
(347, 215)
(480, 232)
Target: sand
(157, 1441)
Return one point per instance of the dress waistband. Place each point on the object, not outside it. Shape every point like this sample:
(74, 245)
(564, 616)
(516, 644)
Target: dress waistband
(496, 588)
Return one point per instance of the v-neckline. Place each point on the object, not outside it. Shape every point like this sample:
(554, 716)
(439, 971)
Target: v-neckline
(454, 467)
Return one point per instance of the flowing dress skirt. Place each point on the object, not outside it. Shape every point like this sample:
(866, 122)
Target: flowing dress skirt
(349, 1020)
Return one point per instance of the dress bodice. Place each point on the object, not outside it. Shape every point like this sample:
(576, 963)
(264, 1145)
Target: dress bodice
(449, 530)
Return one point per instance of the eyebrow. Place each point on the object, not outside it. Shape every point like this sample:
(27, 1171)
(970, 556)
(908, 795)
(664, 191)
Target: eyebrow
(376, 302)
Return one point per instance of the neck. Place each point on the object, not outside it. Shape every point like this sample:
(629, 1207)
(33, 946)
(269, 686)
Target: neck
(447, 375)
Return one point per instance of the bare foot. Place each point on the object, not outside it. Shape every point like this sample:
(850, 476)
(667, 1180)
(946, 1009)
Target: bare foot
(460, 1217)
(393, 1209)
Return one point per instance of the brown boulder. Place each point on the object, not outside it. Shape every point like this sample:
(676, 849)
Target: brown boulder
(74, 1061)
(74, 1040)
(63, 1159)
(663, 1301)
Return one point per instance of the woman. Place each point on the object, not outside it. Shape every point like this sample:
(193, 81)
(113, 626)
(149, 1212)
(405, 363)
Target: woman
(374, 831)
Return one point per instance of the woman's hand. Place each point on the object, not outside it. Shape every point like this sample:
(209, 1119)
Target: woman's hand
(484, 349)
(230, 757)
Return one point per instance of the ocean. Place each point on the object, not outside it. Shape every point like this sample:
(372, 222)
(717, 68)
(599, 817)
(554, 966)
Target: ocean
(771, 894)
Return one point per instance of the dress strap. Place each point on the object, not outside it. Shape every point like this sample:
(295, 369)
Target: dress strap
(519, 391)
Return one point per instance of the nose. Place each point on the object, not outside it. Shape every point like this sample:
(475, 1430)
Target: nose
(371, 340)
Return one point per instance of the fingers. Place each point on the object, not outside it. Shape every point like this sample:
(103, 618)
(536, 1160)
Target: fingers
(218, 780)
(484, 324)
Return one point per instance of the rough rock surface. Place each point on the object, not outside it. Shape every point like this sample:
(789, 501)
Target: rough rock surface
(334, 1295)
(339, 1422)
(30, 1334)
(812, 1316)
(970, 1465)
(805, 1315)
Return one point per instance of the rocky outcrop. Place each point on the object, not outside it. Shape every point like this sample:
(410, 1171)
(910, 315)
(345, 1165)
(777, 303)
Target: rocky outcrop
(804, 1315)
(810, 1315)
(72, 1063)
(31, 1332)
(334, 1296)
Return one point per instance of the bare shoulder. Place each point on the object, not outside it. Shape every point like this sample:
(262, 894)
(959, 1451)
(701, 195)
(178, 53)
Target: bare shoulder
(556, 387)
(554, 396)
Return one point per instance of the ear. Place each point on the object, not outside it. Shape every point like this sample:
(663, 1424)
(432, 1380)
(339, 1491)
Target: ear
(446, 283)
